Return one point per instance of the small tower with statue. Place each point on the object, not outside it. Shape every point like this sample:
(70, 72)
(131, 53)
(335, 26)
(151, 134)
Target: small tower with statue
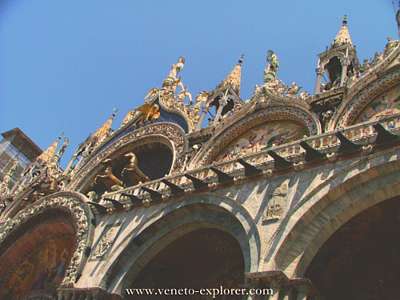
(338, 63)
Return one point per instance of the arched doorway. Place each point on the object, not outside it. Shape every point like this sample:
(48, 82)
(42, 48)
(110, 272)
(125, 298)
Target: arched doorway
(34, 258)
(203, 258)
(360, 260)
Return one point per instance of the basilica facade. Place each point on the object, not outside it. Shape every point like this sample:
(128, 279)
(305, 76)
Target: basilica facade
(286, 190)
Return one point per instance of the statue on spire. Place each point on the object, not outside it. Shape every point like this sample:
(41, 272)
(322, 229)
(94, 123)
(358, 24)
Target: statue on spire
(172, 80)
(271, 71)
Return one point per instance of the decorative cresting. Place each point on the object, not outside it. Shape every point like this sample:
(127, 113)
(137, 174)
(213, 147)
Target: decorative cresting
(376, 80)
(158, 131)
(74, 204)
(173, 97)
(255, 113)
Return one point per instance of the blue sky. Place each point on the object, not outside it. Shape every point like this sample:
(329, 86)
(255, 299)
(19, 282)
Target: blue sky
(64, 65)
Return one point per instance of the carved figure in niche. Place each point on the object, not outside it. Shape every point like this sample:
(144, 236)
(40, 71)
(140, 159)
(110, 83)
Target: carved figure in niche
(131, 173)
(105, 242)
(273, 212)
(108, 179)
(277, 202)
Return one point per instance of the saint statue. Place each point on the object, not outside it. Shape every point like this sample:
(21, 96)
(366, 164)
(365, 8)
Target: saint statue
(270, 72)
(172, 80)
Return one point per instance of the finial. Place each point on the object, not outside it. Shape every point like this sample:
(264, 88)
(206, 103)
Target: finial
(343, 35)
(114, 112)
(233, 78)
(345, 20)
(241, 59)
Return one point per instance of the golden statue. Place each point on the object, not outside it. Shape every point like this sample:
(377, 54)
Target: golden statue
(144, 113)
(131, 173)
(172, 80)
(107, 178)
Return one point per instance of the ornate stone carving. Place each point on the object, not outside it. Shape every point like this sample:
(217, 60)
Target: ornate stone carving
(277, 203)
(67, 201)
(106, 241)
(5, 185)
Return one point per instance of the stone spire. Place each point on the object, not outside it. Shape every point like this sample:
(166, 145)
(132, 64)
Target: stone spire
(343, 36)
(50, 152)
(104, 131)
(233, 78)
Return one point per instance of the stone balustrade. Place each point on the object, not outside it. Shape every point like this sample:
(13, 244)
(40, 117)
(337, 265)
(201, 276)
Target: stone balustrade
(321, 148)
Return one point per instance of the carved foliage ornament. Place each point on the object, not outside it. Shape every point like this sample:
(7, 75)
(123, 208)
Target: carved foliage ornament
(69, 202)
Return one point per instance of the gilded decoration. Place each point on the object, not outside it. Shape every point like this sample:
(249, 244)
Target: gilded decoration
(171, 132)
(71, 203)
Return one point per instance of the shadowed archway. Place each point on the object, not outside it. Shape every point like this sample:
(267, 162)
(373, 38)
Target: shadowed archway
(34, 259)
(203, 258)
(360, 260)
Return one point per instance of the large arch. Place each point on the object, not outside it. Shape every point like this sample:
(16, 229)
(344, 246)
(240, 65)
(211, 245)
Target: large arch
(175, 222)
(168, 134)
(379, 79)
(279, 110)
(310, 227)
(45, 245)
(361, 257)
